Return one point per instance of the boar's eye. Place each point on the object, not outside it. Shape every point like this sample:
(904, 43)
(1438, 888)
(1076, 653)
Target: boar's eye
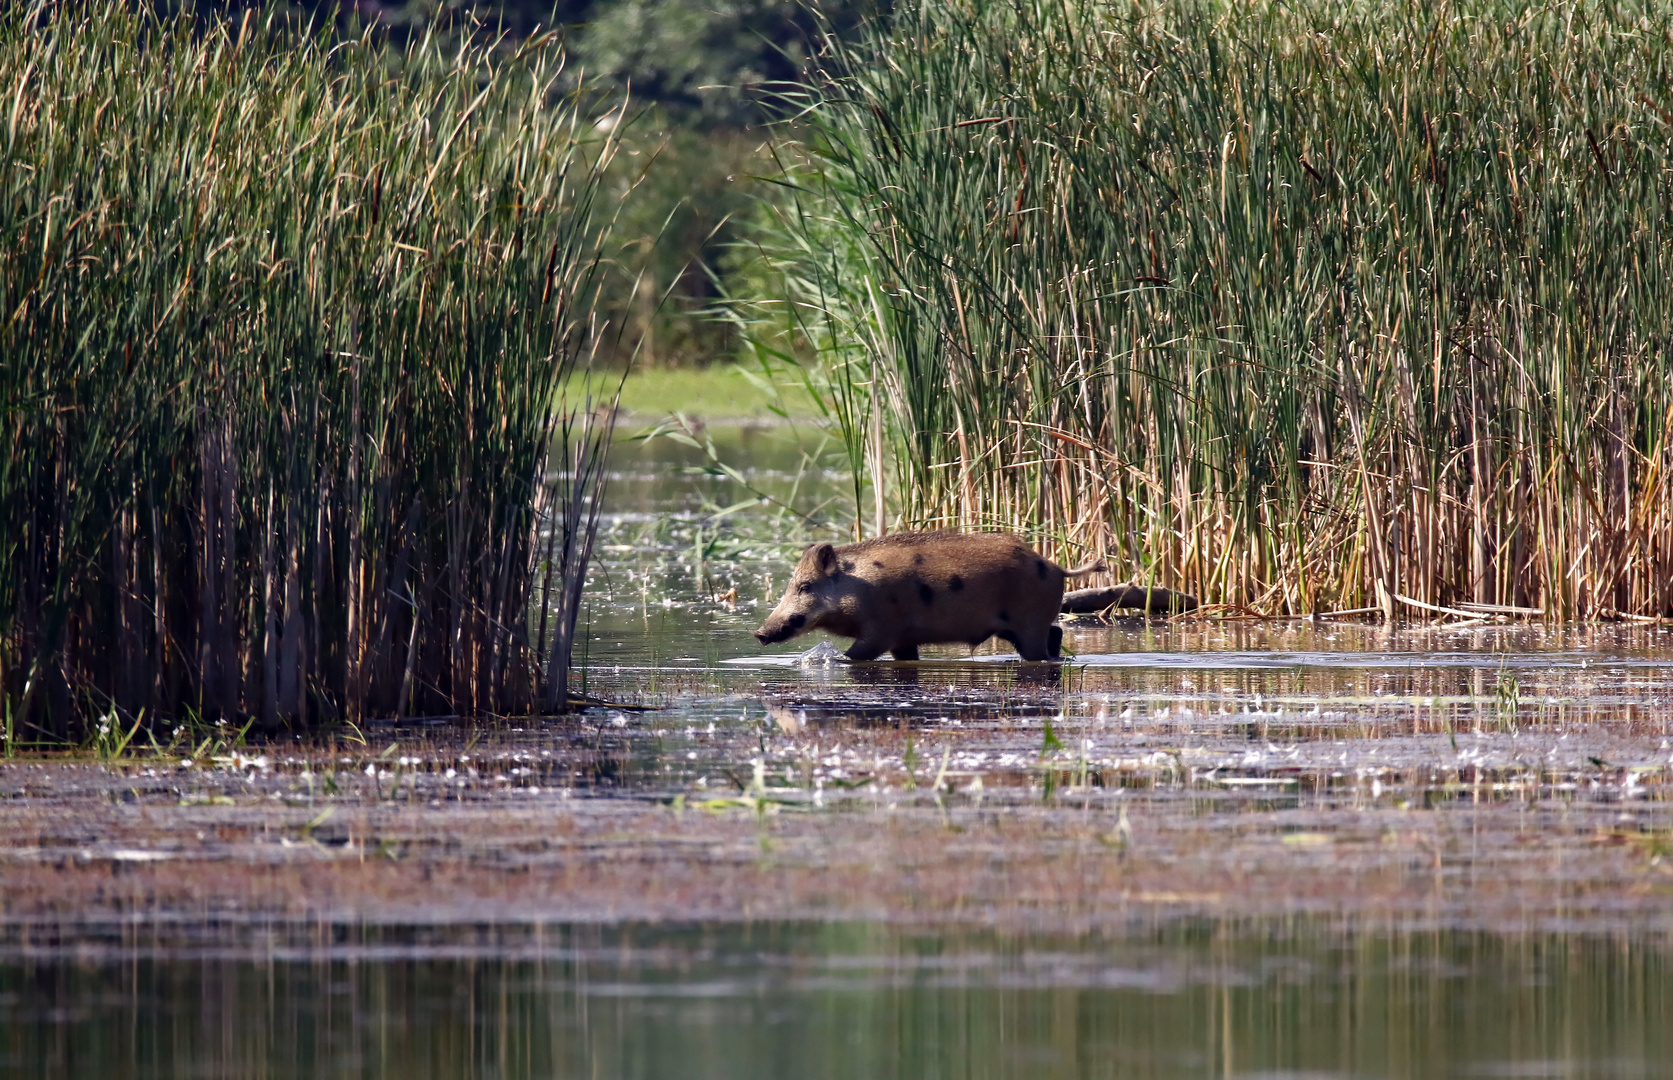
(804, 587)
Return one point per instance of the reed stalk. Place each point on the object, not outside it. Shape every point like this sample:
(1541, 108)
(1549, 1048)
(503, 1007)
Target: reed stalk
(286, 322)
(1297, 306)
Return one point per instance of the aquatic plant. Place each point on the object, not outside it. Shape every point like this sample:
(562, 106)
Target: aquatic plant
(1288, 305)
(286, 324)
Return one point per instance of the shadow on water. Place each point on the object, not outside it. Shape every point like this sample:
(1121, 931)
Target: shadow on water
(1229, 849)
(1286, 999)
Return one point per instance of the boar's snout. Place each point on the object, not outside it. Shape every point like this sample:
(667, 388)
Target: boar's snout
(775, 629)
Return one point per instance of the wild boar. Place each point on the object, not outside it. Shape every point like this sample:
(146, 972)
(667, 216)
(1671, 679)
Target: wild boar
(895, 593)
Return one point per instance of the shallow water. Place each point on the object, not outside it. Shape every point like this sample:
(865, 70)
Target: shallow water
(1232, 849)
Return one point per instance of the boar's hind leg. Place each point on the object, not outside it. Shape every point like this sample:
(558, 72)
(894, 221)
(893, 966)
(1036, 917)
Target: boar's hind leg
(865, 650)
(905, 652)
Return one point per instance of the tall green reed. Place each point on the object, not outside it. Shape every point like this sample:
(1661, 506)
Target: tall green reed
(1293, 305)
(285, 328)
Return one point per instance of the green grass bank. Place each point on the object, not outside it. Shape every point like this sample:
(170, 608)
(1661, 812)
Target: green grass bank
(728, 393)
(1299, 306)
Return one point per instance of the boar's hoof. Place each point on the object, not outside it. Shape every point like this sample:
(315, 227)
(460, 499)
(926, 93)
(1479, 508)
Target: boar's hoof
(864, 650)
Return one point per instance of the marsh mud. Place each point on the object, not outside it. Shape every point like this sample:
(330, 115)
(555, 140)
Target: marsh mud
(1221, 816)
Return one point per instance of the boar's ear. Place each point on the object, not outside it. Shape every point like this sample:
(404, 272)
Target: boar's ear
(824, 557)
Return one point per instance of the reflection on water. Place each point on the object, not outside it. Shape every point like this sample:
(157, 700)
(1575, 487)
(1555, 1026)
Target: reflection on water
(1293, 999)
(1251, 849)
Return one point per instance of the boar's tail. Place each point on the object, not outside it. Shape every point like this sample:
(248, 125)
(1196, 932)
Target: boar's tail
(1095, 567)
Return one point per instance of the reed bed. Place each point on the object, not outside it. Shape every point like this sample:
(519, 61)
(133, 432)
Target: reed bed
(286, 322)
(1295, 306)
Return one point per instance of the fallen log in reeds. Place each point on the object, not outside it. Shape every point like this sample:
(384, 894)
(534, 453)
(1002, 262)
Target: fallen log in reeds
(1147, 598)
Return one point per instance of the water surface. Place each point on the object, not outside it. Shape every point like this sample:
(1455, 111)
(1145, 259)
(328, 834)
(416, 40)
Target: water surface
(1249, 848)
(1296, 999)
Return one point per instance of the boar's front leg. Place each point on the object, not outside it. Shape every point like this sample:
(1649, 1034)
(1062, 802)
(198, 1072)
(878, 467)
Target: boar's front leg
(863, 650)
(905, 652)
(1030, 646)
